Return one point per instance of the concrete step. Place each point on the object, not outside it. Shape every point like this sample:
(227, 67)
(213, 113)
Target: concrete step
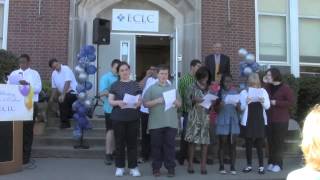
(55, 131)
(96, 122)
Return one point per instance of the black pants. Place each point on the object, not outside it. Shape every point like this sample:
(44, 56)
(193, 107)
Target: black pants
(276, 135)
(227, 148)
(163, 147)
(183, 154)
(258, 142)
(65, 108)
(126, 135)
(145, 137)
(28, 135)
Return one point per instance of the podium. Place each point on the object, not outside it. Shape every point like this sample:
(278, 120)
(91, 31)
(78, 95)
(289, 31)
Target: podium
(11, 146)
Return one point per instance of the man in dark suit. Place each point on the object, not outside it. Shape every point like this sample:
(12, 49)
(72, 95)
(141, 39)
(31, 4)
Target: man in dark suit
(217, 63)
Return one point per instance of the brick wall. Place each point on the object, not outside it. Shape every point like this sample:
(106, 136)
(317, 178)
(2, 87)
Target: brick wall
(239, 33)
(41, 36)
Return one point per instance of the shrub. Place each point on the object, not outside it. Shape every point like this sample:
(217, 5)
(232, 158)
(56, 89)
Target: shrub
(8, 63)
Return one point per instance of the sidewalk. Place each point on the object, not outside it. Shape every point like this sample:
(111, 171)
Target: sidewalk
(94, 169)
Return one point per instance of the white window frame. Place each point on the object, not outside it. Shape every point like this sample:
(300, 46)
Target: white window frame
(292, 29)
(257, 15)
(313, 18)
(5, 23)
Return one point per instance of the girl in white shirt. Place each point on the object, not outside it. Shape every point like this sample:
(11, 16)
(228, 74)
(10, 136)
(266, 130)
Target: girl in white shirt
(254, 102)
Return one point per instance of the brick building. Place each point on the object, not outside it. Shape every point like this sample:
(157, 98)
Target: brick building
(282, 33)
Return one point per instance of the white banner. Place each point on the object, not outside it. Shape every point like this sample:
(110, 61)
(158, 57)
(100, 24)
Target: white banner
(16, 103)
(135, 20)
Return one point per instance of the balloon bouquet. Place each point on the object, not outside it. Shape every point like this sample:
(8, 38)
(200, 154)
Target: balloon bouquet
(248, 65)
(82, 106)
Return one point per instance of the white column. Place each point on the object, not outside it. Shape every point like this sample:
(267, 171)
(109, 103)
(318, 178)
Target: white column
(294, 37)
(5, 25)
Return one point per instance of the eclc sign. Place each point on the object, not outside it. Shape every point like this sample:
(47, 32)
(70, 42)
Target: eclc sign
(135, 20)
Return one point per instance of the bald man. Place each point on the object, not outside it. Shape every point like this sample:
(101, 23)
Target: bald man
(217, 63)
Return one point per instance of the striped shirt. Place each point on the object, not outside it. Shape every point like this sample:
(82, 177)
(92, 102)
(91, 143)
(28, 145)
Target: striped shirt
(185, 82)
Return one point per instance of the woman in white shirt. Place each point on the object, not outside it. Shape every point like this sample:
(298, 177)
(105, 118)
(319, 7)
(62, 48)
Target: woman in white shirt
(254, 102)
(310, 147)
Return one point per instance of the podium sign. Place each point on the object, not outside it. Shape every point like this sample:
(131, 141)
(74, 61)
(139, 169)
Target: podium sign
(16, 105)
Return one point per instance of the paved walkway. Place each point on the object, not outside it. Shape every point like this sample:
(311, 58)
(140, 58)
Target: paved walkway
(94, 169)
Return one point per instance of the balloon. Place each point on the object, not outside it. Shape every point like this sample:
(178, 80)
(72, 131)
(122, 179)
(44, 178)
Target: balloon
(79, 69)
(24, 90)
(250, 58)
(89, 49)
(76, 116)
(75, 105)
(242, 52)
(255, 67)
(247, 71)
(82, 96)
(83, 122)
(82, 111)
(87, 103)
(88, 85)
(80, 88)
(91, 69)
(91, 57)
(83, 77)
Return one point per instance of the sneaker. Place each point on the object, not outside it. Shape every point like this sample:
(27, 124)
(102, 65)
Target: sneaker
(261, 170)
(156, 173)
(247, 169)
(30, 165)
(171, 173)
(233, 171)
(141, 161)
(119, 172)
(135, 172)
(276, 169)
(222, 170)
(270, 167)
(108, 160)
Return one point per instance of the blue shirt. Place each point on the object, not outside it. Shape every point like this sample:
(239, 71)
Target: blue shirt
(105, 83)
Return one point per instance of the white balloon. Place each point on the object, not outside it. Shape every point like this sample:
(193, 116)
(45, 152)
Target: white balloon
(82, 96)
(87, 103)
(242, 52)
(250, 58)
(83, 77)
(79, 69)
(247, 71)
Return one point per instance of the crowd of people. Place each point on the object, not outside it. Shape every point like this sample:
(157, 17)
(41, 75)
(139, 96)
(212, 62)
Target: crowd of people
(255, 119)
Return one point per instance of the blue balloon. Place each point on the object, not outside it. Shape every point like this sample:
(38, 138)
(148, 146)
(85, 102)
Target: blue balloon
(89, 49)
(82, 110)
(88, 85)
(91, 57)
(91, 69)
(76, 116)
(80, 88)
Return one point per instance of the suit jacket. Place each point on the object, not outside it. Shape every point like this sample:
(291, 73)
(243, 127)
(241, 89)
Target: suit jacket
(224, 68)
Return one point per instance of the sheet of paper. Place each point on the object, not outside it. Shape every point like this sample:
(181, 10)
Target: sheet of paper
(169, 98)
(232, 99)
(131, 101)
(208, 100)
(255, 94)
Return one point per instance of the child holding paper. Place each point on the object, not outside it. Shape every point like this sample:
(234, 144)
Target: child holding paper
(163, 123)
(227, 126)
(197, 131)
(254, 103)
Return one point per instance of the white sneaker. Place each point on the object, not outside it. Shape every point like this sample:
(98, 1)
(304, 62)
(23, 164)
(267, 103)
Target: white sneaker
(270, 167)
(135, 172)
(276, 168)
(119, 172)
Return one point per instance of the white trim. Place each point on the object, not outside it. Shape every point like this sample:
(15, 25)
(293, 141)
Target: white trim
(257, 31)
(310, 64)
(294, 37)
(309, 17)
(272, 14)
(5, 23)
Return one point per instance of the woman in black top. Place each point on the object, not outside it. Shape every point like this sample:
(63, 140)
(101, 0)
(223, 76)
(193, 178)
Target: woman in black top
(125, 121)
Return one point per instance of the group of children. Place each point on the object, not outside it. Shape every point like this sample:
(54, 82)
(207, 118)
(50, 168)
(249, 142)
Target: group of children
(243, 115)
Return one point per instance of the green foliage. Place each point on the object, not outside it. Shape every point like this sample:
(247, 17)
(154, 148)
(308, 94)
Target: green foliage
(309, 95)
(8, 63)
(46, 87)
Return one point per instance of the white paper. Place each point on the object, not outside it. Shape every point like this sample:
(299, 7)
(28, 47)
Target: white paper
(208, 100)
(169, 98)
(131, 101)
(255, 93)
(232, 99)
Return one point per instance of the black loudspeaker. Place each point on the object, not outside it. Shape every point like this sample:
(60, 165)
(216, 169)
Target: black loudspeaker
(101, 31)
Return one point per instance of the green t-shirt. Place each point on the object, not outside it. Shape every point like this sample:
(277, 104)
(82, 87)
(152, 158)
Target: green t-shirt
(158, 118)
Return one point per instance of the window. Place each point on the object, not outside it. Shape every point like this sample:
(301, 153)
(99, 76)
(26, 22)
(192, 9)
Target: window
(272, 31)
(309, 32)
(4, 11)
